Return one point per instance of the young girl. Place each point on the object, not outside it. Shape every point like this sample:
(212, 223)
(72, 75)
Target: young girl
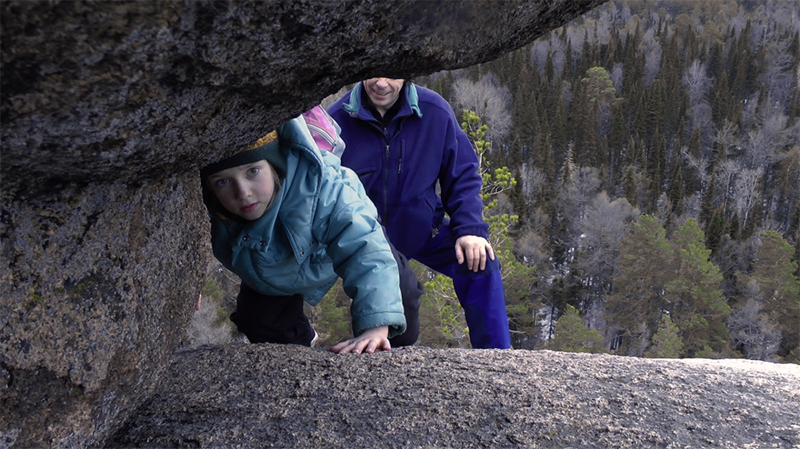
(289, 220)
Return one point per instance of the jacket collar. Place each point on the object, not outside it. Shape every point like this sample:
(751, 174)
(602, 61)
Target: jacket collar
(353, 105)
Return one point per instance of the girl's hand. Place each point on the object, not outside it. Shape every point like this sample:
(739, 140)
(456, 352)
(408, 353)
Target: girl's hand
(368, 341)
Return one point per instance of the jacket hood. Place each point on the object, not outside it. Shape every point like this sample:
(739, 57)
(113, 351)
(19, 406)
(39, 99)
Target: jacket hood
(293, 134)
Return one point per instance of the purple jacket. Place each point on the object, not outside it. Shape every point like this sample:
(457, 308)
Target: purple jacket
(400, 165)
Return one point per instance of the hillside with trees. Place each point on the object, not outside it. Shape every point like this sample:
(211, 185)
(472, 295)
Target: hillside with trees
(642, 181)
(656, 151)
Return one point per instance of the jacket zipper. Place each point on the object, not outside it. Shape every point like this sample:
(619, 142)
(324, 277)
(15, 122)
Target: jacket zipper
(386, 176)
(328, 138)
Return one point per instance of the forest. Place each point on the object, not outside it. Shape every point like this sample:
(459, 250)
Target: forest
(642, 183)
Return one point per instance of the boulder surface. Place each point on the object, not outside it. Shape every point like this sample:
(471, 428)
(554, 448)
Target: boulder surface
(291, 396)
(108, 109)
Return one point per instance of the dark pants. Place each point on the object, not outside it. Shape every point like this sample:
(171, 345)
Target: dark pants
(280, 319)
(271, 319)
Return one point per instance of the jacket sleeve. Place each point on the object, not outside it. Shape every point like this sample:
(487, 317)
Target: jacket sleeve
(361, 256)
(461, 183)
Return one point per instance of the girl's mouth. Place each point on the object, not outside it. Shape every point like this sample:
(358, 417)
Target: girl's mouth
(249, 207)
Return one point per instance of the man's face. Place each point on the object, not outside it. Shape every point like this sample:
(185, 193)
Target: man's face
(246, 190)
(383, 92)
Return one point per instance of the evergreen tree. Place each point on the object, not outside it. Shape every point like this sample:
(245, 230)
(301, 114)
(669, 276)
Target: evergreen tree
(734, 227)
(667, 343)
(739, 64)
(558, 130)
(657, 161)
(752, 220)
(629, 189)
(793, 111)
(774, 270)
(715, 60)
(676, 189)
(671, 72)
(618, 137)
(797, 252)
(707, 207)
(646, 263)
(573, 336)
(694, 296)
(695, 144)
(714, 231)
(721, 101)
(654, 108)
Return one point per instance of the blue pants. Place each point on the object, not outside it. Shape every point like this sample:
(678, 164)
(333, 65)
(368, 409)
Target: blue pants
(481, 294)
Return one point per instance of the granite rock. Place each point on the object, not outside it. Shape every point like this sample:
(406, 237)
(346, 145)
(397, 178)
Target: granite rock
(108, 109)
(289, 396)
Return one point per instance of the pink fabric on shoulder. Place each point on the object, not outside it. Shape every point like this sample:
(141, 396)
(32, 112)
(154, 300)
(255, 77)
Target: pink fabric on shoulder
(322, 129)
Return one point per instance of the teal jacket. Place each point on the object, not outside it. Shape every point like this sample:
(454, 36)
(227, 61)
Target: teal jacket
(320, 227)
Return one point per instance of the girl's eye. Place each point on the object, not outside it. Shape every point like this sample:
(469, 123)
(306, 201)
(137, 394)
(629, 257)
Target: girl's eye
(253, 171)
(222, 182)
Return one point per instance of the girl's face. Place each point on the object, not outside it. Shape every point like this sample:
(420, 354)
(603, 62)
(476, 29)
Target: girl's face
(246, 190)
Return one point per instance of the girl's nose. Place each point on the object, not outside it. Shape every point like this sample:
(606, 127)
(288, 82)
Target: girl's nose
(241, 190)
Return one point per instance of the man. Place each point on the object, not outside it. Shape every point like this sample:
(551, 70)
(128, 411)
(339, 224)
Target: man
(403, 140)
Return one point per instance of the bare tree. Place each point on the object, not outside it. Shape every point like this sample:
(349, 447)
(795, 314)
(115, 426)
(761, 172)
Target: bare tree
(764, 144)
(604, 225)
(206, 327)
(578, 192)
(539, 51)
(532, 180)
(727, 138)
(699, 164)
(488, 100)
(700, 117)
(652, 50)
(616, 76)
(751, 329)
(747, 191)
(697, 82)
(726, 175)
(778, 74)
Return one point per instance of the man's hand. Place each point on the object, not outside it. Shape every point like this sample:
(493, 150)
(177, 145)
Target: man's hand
(474, 249)
(370, 340)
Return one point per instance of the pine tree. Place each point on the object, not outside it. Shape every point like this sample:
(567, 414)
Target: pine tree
(629, 189)
(666, 343)
(774, 271)
(646, 263)
(752, 220)
(676, 189)
(721, 101)
(694, 296)
(657, 161)
(714, 230)
(654, 108)
(707, 207)
(797, 252)
(734, 227)
(573, 336)
(618, 137)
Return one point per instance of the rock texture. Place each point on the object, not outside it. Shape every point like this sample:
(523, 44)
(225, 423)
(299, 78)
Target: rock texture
(108, 109)
(289, 396)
